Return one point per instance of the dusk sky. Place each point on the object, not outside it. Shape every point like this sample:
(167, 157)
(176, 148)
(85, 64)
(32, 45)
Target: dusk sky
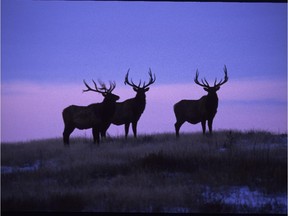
(49, 47)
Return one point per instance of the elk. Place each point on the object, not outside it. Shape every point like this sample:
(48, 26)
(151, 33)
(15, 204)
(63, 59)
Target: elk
(96, 116)
(202, 110)
(130, 110)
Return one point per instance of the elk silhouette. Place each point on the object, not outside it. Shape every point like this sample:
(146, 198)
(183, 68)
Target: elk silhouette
(96, 116)
(202, 110)
(130, 110)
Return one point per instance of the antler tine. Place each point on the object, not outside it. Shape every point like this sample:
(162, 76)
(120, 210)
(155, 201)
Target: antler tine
(89, 88)
(206, 83)
(96, 87)
(86, 86)
(112, 86)
(225, 71)
(150, 72)
(202, 82)
(215, 81)
(198, 83)
(131, 83)
(126, 77)
(103, 86)
(225, 77)
(196, 76)
(152, 79)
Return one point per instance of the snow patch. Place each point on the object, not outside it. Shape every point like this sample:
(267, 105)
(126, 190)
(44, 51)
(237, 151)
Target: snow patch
(25, 168)
(28, 167)
(243, 196)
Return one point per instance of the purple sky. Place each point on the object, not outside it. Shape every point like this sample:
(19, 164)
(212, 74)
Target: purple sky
(49, 47)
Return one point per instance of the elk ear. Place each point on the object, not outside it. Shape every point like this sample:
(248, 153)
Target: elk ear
(146, 89)
(206, 89)
(217, 88)
(135, 89)
(104, 94)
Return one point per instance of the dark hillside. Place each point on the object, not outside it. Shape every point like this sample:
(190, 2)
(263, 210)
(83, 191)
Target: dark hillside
(231, 172)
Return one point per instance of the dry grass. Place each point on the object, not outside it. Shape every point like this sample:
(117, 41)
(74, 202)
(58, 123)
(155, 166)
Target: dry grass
(155, 173)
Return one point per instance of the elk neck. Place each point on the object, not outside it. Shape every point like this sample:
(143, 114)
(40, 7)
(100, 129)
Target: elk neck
(109, 104)
(212, 101)
(140, 102)
(108, 109)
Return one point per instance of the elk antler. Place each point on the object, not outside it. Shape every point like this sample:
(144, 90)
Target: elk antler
(205, 85)
(103, 89)
(131, 83)
(103, 86)
(225, 78)
(112, 86)
(151, 79)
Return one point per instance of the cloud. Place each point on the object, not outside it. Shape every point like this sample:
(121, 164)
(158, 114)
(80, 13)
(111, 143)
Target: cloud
(33, 111)
(255, 90)
(243, 91)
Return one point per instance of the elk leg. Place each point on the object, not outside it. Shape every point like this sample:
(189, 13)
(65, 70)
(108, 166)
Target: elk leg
(103, 130)
(210, 122)
(103, 134)
(134, 127)
(127, 129)
(177, 125)
(96, 138)
(203, 123)
(66, 134)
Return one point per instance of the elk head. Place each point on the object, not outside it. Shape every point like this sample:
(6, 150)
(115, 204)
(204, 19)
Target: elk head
(138, 88)
(207, 87)
(106, 92)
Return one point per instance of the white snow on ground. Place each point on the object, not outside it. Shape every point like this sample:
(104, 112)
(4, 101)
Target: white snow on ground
(243, 196)
(28, 167)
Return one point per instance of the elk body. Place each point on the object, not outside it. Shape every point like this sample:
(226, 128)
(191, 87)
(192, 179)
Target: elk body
(96, 116)
(202, 110)
(130, 110)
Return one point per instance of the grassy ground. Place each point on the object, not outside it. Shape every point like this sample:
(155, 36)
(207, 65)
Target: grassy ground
(155, 173)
